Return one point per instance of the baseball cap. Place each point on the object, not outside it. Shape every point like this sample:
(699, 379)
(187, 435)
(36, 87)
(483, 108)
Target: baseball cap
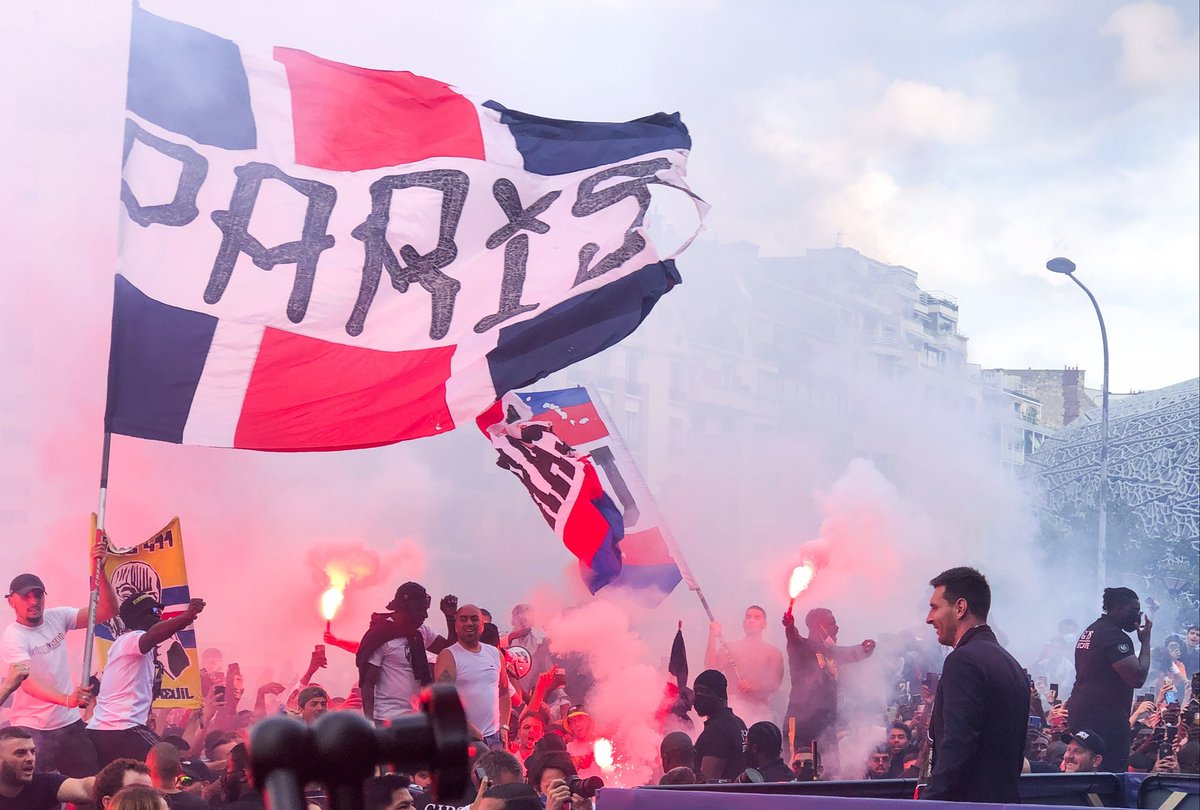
(407, 593)
(136, 606)
(24, 583)
(1088, 739)
(310, 692)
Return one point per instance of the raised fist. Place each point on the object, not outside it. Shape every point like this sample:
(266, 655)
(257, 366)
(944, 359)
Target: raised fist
(449, 605)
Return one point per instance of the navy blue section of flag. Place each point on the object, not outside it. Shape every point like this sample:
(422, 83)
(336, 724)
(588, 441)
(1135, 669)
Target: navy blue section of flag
(553, 146)
(160, 351)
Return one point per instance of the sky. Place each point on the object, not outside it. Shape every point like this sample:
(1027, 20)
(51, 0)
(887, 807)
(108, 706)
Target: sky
(970, 142)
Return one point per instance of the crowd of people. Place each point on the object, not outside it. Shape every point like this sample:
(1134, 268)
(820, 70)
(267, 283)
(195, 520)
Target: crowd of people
(964, 725)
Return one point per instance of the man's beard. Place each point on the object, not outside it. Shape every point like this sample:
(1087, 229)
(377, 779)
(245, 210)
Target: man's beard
(10, 775)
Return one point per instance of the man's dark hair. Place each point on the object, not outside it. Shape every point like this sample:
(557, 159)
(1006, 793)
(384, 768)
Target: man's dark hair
(538, 763)
(907, 731)
(676, 750)
(759, 609)
(15, 733)
(112, 778)
(215, 738)
(1191, 627)
(1117, 597)
(495, 763)
(378, 790)
(766, 737)
(966, 583)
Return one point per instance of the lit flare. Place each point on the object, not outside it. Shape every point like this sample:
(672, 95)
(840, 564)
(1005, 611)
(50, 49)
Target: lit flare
(802, 577)
(602, 749)
(331, 600)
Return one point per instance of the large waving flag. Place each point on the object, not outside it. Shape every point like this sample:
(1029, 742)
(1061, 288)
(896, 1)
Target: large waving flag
(650, 565)
(565, 487)
(316, 256)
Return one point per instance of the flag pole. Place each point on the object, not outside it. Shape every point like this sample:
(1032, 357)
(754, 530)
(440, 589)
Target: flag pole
(96, 573)
(631, 470)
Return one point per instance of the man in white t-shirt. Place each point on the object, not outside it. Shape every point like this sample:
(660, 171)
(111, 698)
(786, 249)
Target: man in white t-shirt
(49, 699)
(118, 726)
(392, 662)
(480, 676)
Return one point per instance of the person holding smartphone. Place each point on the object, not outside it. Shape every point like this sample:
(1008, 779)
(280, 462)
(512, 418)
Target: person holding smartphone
(1107, 672)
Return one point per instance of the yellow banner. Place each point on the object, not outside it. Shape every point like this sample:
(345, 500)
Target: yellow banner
(157, 567)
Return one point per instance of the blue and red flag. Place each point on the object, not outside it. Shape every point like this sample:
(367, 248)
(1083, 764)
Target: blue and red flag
(649, 570)
(566, 489)
(317, 256)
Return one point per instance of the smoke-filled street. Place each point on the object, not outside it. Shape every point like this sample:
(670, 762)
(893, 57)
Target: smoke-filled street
(506, 404)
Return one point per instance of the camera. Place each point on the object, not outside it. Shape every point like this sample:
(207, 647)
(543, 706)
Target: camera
(341, 751)
(585, 786)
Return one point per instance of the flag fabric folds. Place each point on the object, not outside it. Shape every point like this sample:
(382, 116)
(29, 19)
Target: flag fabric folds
(317, 256)
(650, 569)
(157, 567)
(566, 489)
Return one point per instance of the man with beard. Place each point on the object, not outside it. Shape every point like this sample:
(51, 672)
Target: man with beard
(118, 727)
(478, 673)
(48, 701)
(814, 661)
(981, 708)
(1107, 672)
(22, 789)
(721, 747)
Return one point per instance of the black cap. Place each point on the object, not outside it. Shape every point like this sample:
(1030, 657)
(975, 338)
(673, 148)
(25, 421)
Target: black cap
(136, 606)
(714, 682)
(409, 593)
(24, 583)
(1088, 739)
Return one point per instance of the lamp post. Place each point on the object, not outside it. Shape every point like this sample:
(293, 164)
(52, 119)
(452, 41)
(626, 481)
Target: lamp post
(1067, 268)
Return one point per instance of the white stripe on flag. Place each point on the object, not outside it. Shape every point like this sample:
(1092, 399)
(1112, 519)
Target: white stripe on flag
(213, 419)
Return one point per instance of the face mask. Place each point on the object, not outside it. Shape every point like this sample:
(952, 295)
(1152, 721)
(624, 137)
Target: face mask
(705, 704)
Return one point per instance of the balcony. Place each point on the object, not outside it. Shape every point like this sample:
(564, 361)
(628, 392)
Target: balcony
(934, 298)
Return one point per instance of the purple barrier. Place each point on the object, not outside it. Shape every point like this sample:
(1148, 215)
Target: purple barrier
(627, 799)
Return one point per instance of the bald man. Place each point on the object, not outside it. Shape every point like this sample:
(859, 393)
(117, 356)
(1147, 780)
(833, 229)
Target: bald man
(478, 673)
(166, 766)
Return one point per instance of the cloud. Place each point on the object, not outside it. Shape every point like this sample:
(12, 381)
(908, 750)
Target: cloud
(1155, 51)
(925, 112)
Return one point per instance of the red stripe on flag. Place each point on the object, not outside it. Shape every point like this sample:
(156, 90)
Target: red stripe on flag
(348, 118)
(581, 424)
(645, 548)
(309, 394)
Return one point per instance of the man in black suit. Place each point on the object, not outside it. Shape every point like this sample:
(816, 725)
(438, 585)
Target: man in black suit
(981, 708)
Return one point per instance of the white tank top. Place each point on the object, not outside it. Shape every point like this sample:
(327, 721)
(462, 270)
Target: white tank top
(478, 684)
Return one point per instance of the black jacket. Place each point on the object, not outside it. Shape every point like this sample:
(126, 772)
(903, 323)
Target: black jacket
(980, 715)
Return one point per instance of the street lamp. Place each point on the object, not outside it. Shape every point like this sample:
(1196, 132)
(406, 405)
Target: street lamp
(1067, 268)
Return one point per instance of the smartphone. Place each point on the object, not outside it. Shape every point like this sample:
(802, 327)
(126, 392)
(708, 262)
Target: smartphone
(480, 775)
(1035, 722)
(1053, 693)
(1171, 697)
(219, 693)
(320, 649)
(1168, 743)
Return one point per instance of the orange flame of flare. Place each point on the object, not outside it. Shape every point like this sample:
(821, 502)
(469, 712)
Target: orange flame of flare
(603, 751)
(331, 600)
(802, 577)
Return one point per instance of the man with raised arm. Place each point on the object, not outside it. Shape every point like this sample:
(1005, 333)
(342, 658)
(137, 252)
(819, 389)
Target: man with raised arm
(118, 727)
(48, 701)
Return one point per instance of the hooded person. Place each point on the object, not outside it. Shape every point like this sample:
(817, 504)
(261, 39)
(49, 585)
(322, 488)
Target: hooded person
(721, 746)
